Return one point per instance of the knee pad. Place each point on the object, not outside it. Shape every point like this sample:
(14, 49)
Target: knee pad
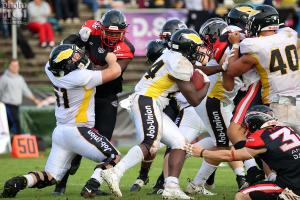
(42, 180)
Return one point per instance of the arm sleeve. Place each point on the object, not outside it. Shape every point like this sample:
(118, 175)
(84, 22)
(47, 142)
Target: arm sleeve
(254, 140)
(26, 91)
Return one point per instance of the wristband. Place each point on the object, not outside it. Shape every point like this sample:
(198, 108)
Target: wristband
(201, 152)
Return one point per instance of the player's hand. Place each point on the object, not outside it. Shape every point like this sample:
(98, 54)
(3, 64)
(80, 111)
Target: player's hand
(231, 29)
(234, 37)
(110, 58)
(193, 149)
(85, 33)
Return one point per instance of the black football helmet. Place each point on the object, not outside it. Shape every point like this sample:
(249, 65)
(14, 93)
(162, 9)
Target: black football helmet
(210, 31)
(154, 50)
(66, 58)
(256, 116)
(266, 18)
(170, 27)
(238, 16)
(113, 25)
(187, 42)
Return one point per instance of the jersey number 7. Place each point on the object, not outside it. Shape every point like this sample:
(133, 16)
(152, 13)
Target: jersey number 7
(291, 57)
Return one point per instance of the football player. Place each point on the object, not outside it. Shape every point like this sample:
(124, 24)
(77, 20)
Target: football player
(216, 109)
(276, 144)
(74, 87)
(248, 95)
(170, 73)
(98, 38)
(277, 62)
(154, 51)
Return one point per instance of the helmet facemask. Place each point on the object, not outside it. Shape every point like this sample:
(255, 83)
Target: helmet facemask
(112, 35)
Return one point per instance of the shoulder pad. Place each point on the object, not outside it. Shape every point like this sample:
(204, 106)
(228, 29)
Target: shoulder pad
(178, 66)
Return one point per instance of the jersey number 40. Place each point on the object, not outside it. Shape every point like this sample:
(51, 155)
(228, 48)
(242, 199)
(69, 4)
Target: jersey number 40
(277, 62)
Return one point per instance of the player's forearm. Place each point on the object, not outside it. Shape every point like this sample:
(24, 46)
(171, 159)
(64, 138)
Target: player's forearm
(233, 57)
(228, 82)
(210, 70)
(113, 70)
(220, 155)
(196, 97)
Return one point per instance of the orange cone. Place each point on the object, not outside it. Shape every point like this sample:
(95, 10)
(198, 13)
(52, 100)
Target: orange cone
(24, 146)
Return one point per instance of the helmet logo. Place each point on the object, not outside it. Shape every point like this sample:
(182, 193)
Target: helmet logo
(115, 28)
(101, 50)
(248, 10)
(195, 38)
(63, 55)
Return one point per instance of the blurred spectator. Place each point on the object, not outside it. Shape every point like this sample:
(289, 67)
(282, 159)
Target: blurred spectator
(67, 10)
(39, 11)
(94, 6)
(160, 3)
(287, 12)
(12, 88)
(107, 4)
(199, 12)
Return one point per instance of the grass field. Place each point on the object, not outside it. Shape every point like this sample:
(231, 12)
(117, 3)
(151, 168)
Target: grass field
(225, 179)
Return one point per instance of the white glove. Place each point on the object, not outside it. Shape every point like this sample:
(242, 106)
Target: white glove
(85, 33)
(231, 29)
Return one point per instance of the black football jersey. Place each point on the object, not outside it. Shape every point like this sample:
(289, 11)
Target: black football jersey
(282, 155)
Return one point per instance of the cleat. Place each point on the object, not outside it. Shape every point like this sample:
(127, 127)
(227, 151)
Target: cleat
(101, 193)
(157, 191)
(112, 178)
(242, 182)
(173, 191)
(60, 188)
(195, 189)
(59, 191)
(13, 186)
(158, 188)
(254, 175)
(139, 183)
(90, 188)
(209, 187)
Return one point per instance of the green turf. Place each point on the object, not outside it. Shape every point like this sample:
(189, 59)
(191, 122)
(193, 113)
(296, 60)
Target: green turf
(225, 180)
